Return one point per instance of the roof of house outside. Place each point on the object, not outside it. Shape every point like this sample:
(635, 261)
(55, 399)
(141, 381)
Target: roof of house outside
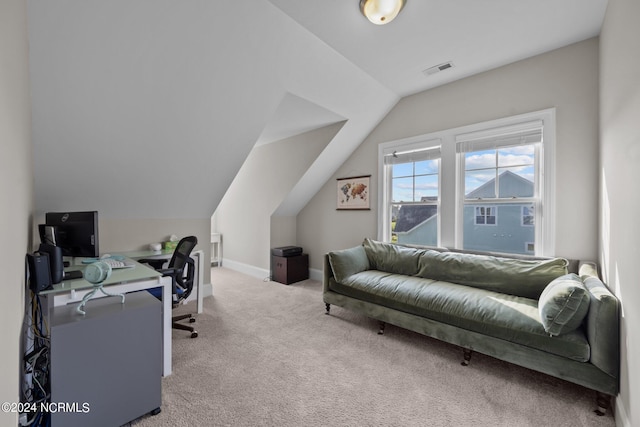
(410, 216)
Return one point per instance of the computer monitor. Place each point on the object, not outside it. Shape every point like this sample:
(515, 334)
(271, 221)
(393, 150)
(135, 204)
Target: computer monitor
(76, 233)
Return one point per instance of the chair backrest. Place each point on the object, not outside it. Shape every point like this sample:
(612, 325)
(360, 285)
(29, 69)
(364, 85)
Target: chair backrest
(180, 259)
(182, 252)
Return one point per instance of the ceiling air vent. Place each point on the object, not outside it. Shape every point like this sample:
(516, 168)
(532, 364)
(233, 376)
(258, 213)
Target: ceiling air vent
(437, 68)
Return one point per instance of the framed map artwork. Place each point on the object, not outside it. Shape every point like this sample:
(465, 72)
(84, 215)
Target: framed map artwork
(353, 193)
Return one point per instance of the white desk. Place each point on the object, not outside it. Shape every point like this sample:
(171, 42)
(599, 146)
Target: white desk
(198, 257)
(121, 281)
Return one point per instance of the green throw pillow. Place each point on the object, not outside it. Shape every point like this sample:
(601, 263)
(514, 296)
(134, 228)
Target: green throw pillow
(563, 305)
(346, 262)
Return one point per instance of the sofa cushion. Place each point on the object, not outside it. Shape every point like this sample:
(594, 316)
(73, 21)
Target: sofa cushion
(503, 316)
(563, 304)
(392, 258)
(525, 278)
(346, 262)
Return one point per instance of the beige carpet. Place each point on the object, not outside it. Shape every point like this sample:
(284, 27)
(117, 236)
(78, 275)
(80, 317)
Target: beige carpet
(267, 355)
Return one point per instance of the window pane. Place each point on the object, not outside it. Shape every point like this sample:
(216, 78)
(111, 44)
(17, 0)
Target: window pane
(402, 190)
(480, 184)
(480, 160)
(402, 169)
(427, 167)
(503, 231)
(509, 171)
(415, 224)
(516, 182)
(516, 156)
(426, 188)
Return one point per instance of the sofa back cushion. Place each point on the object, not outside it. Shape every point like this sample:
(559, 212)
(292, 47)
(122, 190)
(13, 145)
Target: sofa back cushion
(392, 258)
(525, 278)
(346, 262)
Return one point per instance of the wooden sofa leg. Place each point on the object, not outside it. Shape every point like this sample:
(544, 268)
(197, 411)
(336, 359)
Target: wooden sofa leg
(327, 307)
(467, 357)
(603, 401)
(381, 330)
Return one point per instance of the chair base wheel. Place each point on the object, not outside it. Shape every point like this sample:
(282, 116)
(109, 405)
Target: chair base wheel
(192, 320)
(194, 334)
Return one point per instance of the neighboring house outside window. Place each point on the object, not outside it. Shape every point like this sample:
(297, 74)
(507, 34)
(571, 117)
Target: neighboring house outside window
(476, 187)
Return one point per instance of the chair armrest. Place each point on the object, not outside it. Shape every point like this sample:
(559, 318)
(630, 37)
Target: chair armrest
(155, 263)
(167, 271)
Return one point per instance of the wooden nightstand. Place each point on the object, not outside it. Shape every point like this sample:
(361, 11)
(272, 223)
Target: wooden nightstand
(289, 269)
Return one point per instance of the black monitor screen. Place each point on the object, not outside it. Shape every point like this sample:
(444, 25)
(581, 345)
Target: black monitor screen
(76, 233)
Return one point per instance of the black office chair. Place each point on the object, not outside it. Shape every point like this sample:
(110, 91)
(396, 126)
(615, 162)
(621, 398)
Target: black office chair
(181, 269)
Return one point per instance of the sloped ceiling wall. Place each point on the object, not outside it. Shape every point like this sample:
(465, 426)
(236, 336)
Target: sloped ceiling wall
(148, 108)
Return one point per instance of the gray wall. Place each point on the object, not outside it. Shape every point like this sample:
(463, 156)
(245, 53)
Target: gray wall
(244, 216)
(16, 192)
(566, 78)
(619, 175)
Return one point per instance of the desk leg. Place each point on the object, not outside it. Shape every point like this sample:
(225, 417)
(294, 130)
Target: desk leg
(200, 262)
(166, 324)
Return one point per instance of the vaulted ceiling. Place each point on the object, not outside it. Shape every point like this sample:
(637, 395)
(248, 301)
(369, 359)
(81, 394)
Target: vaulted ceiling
(148, 108)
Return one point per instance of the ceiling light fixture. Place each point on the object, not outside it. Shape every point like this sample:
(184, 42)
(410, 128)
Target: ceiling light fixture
(381, 11)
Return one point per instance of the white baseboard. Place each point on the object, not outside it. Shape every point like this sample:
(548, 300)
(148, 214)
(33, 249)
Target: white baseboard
(315, 274)
(249, 270)
(621, 416)
(261, 273)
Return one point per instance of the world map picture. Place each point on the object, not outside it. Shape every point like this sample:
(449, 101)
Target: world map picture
(353, 193)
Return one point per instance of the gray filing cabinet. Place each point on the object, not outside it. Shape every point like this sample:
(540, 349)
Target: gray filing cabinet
(110, 359)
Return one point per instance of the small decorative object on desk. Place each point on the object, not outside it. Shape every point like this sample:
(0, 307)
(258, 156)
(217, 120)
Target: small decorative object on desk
(353, 193)
(171, 243)
(96, 273)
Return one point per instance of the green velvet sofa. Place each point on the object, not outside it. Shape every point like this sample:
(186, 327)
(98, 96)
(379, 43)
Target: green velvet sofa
(551, 315)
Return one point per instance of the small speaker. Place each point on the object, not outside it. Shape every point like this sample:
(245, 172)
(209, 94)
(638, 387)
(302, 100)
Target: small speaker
(47, 234)
(56, 265)
(39, 273)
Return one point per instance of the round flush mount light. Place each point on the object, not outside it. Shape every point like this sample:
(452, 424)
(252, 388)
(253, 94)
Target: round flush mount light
(381, 11)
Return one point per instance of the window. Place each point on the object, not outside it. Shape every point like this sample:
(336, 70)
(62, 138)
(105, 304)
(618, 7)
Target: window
(412, 194)
(528, 217)
(485, 215)
(499, 175)
(480, 187)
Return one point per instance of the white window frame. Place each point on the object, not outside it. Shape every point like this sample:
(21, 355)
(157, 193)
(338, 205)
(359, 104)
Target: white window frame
(450, 208)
